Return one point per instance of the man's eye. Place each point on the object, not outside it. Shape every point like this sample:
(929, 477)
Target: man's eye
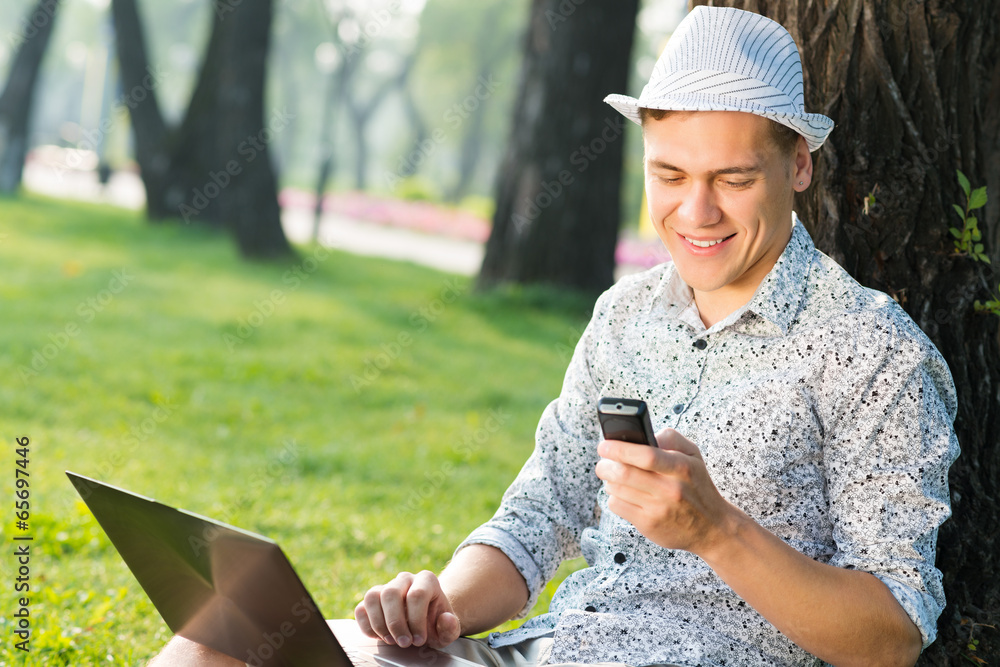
(739, 185)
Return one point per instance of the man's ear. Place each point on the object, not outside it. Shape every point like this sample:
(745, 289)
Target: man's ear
(802, 166)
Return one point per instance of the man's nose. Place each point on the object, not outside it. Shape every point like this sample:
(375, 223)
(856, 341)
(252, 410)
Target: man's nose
(699, 207)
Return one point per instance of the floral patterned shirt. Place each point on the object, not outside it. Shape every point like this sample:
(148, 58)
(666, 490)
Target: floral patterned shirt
(821, 410)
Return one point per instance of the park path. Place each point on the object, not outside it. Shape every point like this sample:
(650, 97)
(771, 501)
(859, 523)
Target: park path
(376, 240)
(417, 232)
(125, 189)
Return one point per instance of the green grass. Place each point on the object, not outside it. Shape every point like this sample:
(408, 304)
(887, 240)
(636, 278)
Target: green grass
(326, 402)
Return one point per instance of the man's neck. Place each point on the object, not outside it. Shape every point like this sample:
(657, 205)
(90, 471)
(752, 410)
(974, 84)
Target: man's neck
(715, 306)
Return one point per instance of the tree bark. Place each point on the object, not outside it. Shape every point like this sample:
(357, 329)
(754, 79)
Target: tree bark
(215, 168)
(558, 189)
(19, 93)
(914, 88)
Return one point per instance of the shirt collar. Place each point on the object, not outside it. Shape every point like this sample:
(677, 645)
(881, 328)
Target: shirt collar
(777, 299)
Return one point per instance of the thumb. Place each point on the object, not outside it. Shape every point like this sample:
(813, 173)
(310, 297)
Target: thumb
(671, 440)
(448, 629)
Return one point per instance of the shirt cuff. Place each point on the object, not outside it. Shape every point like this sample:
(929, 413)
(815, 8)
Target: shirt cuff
(920, 607)
(517, 554)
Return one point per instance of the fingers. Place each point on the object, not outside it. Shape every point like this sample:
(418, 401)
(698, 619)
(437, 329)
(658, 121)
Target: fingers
(637, 474)
(406, 610)
(370, 618)
(672, 455)
(392, 598)
(423, 590)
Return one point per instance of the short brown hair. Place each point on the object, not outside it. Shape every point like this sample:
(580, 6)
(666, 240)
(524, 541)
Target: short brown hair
(785, 138)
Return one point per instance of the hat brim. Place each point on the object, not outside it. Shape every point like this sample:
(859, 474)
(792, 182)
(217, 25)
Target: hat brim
(814, 127)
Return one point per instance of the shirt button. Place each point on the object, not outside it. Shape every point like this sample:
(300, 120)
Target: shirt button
(701, 343)
(590, 608)
(679, 408)
(619, 558)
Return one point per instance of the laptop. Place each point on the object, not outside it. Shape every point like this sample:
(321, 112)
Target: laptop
(232, 590)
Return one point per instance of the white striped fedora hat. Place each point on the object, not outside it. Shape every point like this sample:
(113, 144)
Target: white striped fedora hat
(725, 59)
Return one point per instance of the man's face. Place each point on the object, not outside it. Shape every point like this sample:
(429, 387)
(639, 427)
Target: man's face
(720, 197)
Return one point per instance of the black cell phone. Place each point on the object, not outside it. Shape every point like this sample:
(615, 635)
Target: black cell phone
(626, 419)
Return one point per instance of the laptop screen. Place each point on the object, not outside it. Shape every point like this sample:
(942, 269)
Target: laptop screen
(214, 584)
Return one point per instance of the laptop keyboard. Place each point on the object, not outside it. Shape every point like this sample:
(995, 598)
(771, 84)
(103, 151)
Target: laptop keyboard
(359, 659)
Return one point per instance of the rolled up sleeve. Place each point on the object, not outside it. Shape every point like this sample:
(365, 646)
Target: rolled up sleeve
(887, 466)
(554, 497)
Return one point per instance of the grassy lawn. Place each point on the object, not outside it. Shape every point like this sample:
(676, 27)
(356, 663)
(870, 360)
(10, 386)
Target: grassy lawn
(366, 414)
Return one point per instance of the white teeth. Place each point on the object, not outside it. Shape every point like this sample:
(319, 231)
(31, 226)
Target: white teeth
(704, 244)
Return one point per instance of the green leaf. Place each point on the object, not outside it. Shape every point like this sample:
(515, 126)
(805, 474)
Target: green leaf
(960, 211)
(978, 198)
(971, 222)
(964, 182)
(987, 260)
(978, 248)
(977, 235)
(954, 232)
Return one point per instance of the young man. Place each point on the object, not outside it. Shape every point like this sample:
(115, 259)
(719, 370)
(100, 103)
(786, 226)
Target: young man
(790, 512)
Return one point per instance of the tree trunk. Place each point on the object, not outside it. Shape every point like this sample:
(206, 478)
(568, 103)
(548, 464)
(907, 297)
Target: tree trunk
(328, 127)
(914, 89)
(417, 123)
(235, 129)
(216, 167)
(472, 140)
(410, 108)
(359, 118)
(152, 136)
(32, 39)
(360, 114)
(558, 189)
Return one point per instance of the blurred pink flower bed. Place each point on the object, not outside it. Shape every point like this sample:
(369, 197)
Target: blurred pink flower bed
(441, 220)
(416, 215)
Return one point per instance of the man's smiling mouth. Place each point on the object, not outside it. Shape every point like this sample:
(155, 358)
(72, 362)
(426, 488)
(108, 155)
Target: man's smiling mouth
(706, 244)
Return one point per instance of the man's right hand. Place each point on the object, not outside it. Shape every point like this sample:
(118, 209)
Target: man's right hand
(410, 610)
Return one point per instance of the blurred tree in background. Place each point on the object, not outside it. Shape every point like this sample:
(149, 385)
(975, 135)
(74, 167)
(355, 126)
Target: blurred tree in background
(493, 44)
(31, 40)
(215, 167)
(430, 136)
(464, 84)
(558, 194)
(351, 30)
(422, 110)
(914, 89)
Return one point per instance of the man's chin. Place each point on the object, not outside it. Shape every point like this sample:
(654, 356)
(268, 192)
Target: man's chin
(701, 281)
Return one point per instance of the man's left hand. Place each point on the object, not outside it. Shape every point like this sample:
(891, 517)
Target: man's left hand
(666, 493)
